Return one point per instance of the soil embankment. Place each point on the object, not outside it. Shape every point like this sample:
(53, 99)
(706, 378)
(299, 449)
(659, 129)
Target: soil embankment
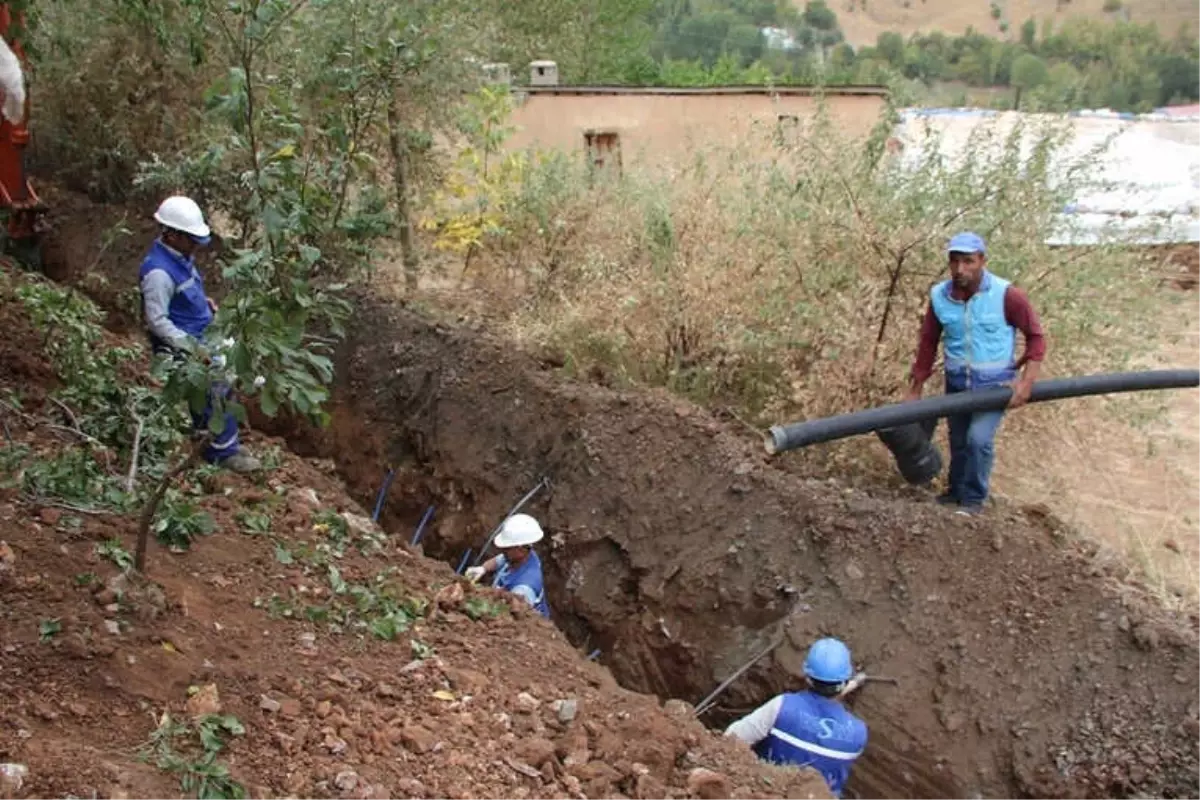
(1024, 667)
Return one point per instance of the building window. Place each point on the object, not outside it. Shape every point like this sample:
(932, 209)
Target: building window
(787, 129)
(603, 149)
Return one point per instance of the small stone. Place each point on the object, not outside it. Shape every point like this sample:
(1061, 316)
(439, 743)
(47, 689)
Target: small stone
(1171, 545)
(334, 744)
(527, 703)
(410, 787)
(290, 707)
(997, 543)
(566, 710)
(112, 626)
(7, 559)
(205, 701)
(647, 787)
(449, 596)
(677, 709)
(707, 784)
(50, 516)
(363, 526)
(11, 777)
(744, 468)
(105, 597)
(535, 751)
(417, 739)
(387, 690)
(1123, 623)
(269, 704)
(324, 709)
(1145, 637)
(346, 780)
(854, 572)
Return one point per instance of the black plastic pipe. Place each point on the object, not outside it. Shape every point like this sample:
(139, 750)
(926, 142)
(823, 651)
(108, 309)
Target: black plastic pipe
(802, 434)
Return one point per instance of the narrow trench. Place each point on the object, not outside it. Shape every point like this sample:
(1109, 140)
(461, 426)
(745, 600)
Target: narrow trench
(888, 768)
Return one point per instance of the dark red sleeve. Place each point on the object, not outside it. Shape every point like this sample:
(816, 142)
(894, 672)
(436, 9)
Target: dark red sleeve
(931, 332)
(1019, 313)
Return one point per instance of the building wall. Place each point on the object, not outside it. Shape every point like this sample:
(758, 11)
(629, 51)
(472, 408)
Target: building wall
(663, 127)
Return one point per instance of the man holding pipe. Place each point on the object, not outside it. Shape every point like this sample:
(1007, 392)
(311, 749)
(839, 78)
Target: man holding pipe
(976, 314)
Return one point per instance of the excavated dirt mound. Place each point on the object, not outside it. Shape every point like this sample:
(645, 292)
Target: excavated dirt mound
(474, 697)
(676, 549)
(679, 551)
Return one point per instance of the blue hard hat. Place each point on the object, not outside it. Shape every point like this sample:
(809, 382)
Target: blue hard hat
(829, 661)
(966, 242)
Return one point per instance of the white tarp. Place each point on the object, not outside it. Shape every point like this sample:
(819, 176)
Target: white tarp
(1148, 179)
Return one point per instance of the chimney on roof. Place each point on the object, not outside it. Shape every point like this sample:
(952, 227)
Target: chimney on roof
(497, 73)
(543, 73)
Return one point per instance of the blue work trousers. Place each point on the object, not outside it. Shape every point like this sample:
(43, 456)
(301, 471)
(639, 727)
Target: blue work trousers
(225, 443)
(972, 448)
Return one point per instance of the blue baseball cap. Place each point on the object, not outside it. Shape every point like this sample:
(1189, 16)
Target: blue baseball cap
(966, 242)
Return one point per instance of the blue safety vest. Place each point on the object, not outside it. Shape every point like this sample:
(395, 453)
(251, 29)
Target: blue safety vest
(529, 574)
(979, 345)
(188, 308)
(818, 732)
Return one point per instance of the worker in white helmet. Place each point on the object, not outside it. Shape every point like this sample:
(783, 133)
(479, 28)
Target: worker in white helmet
(518, 568)
(177, 313)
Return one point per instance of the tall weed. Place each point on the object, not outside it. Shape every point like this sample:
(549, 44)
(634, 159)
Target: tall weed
(785, 275)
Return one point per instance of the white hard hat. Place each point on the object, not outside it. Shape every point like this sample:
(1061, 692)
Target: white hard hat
(182, 214)
(519, 530)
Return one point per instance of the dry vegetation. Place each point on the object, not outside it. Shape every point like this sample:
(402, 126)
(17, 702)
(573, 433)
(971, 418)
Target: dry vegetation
(863, 20)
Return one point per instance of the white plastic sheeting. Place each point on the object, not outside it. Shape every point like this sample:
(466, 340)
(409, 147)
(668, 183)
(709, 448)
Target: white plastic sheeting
(1146, 185)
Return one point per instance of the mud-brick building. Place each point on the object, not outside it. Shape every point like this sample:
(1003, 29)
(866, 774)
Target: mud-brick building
(661, 125)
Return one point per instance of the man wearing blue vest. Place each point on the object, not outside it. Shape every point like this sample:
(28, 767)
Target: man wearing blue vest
(518, 569)
(976, 314)
(177, 313)
(810, 728)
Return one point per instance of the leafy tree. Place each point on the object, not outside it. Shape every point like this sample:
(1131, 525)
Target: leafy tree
(1028, 73)
(817, 14)
(1029, 33)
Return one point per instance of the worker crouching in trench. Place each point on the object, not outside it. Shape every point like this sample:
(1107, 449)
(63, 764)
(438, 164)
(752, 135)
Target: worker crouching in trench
(517, 568)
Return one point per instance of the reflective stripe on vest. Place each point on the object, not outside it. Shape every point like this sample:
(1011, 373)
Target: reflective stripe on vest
(815, 749)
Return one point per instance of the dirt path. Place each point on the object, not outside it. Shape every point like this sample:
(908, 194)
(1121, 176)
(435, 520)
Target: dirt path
(1135, 490)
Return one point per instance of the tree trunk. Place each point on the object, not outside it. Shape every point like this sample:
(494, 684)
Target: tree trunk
(408, 249)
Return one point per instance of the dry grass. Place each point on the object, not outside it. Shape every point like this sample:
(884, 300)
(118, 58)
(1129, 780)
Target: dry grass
(756, 280)
(1135, 489)
(863, 20)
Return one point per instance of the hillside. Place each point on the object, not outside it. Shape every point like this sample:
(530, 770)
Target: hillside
(303, 654)
(675, 549)
(863, 20)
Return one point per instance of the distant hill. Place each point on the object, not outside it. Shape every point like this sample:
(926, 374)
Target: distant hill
(863, 20)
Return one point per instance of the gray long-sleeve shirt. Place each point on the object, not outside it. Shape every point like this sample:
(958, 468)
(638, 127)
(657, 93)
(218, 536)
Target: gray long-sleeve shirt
(157, 291)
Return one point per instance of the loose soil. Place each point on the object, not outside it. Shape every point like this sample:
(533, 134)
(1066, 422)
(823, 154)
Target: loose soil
(1026, 667)
(479, 698)
(679, 552)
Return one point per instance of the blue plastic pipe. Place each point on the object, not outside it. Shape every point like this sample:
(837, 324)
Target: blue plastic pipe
(463, 564)
(421, 527)
(383, 490)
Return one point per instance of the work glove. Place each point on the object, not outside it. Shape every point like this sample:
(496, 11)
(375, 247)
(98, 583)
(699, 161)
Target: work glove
(474, 573)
